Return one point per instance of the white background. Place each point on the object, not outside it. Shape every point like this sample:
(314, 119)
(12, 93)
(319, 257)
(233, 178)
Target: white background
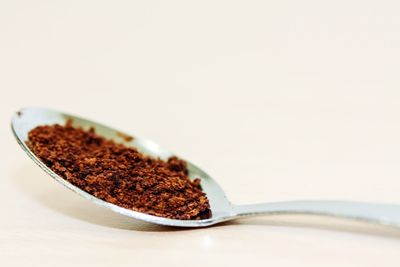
(277, 100)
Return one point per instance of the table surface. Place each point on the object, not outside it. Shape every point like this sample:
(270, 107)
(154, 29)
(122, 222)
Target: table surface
(278, 100)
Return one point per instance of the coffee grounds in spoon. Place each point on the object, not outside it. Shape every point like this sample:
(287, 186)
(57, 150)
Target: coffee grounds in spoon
(119, 174)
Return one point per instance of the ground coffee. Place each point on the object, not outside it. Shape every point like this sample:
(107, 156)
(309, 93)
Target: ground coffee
(119, 174)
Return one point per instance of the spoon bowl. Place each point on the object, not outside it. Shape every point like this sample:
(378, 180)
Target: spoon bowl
(222, 209)
(29, 118)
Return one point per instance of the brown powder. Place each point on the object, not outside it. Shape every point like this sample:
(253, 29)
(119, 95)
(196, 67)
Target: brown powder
(118, 174)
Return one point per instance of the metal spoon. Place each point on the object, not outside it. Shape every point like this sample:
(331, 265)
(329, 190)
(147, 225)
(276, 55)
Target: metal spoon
(222, 209)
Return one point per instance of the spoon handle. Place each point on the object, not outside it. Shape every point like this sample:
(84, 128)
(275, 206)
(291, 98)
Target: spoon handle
(386, 214)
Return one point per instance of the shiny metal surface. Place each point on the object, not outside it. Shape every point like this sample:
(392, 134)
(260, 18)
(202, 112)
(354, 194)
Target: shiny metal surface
(222, 210)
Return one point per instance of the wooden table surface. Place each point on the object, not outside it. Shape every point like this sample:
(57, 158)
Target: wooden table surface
(277, 100)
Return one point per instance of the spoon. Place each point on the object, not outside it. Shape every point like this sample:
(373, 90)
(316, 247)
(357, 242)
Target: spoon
(222, 209)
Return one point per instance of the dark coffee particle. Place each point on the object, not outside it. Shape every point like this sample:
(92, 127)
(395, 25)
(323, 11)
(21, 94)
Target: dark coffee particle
(127, 138)
(119, 174)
